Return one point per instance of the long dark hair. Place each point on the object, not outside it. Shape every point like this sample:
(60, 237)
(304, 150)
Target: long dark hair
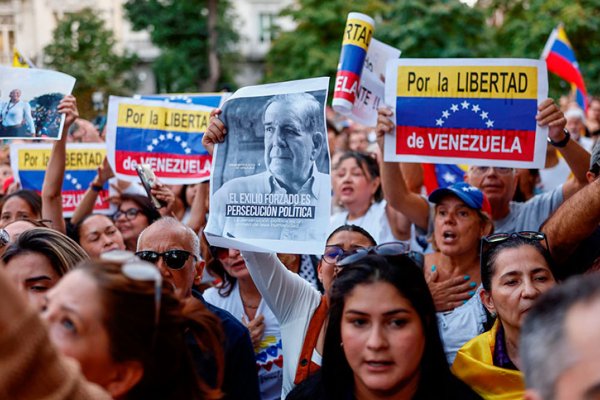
(128, 315)
(436, 380)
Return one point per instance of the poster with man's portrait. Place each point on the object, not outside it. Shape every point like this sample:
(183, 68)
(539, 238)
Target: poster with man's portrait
(271, 180)
(29, 100)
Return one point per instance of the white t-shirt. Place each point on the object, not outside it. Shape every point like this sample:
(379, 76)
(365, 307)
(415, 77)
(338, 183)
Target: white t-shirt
(269, 354)
(292, 300)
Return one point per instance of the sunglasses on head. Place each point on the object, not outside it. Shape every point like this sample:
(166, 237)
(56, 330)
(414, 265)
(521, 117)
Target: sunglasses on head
(174, 259)
(384, 249)
(489, 242)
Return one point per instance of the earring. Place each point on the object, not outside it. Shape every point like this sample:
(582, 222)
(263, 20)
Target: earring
(341, 344)
(493, 314)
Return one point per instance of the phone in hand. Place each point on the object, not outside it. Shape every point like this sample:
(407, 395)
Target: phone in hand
(148, 178)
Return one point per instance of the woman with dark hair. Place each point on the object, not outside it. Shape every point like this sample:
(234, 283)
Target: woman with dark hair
(301, 309)
(135, 214)
(128, 331)
(97, 234)
(357, 187)
(382, 340)
(515, 270)
(22, 204)
(38, 258)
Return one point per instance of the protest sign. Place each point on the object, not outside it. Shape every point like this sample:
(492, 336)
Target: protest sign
(270, 183)
(355, 43)
(200, 99)
(166, 136)
(29, 163)
(29, 100)
(371, 91)
(467, 111)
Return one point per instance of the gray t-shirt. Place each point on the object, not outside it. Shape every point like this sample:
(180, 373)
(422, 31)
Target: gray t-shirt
(528, 216)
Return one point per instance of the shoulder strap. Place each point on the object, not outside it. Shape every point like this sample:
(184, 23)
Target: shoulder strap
(305, 366)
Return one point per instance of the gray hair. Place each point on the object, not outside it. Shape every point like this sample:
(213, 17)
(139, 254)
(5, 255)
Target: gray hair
(544, 348)
(175, 224)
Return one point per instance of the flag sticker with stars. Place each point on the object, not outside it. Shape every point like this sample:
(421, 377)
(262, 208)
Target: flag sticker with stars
(467, 111)
(165, 135)
(30, 161)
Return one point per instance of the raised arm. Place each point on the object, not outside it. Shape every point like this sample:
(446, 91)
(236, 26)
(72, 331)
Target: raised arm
(53, 179)
(573, 221)
(397, 193)
(576, 156)
(86, 205)
(199, 207)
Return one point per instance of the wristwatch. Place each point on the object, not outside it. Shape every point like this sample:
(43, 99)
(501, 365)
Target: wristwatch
(563, 142)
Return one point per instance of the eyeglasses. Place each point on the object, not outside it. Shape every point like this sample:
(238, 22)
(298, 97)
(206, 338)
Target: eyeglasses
(175, 259)
(333, 252)
(489, 242)
(384, 249)
(499, 170)
(129, 214)
(141, 271)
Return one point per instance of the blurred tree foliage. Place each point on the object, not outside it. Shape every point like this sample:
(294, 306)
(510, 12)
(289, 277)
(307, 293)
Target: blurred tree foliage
(84, 48)
(180, 28)
(438, 29)
(523, 26)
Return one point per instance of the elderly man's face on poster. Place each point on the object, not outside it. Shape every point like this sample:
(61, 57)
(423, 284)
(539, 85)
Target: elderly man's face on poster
(289, 149)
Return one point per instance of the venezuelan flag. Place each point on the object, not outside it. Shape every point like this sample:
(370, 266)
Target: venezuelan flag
(467, 111)
(442, 175)
(560, 59)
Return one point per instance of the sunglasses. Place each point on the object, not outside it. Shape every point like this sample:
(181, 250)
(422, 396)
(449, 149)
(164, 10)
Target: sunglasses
(129, 214)
(174, 259)
(491, 241)
(384, 249)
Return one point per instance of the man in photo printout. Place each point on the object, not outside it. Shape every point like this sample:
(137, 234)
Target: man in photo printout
(281, 202)
(16, 116)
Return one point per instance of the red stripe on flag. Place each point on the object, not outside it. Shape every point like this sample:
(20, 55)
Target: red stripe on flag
(466, 143)
(71, 198)
(566, 70)
(164, 165)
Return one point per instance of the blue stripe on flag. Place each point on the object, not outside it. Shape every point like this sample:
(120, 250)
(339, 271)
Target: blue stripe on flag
(564, 50)
(159, 141)
(511, 114)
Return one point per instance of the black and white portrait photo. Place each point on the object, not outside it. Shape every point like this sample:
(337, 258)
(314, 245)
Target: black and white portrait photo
(271, 182)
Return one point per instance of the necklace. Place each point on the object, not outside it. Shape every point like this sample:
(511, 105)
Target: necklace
(250, 306)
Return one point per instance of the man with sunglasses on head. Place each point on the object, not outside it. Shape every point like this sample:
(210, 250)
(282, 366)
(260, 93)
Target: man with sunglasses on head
(175, 249)
(497, 183)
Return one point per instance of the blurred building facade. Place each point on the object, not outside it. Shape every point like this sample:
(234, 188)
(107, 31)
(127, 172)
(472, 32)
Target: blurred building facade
(28, 26)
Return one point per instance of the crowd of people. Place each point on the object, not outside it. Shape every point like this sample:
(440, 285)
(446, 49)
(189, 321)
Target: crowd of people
(486, 288)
